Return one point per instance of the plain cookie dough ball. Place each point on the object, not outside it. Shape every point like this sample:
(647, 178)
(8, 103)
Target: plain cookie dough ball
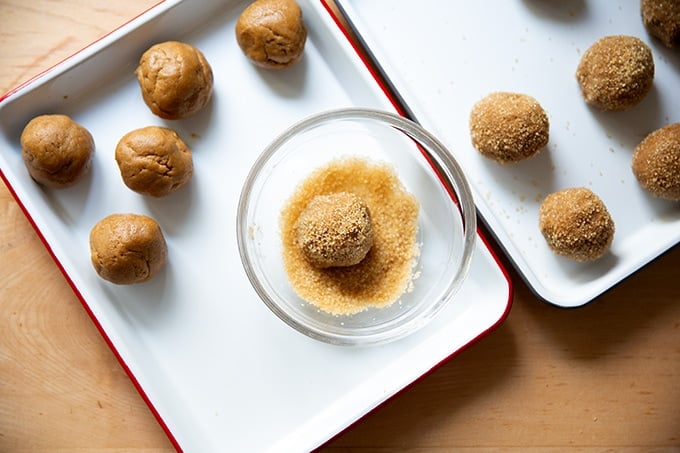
(335, 230)
(154, 161)
(576, 224)
(57, 151)
(271, 33)
(661, 18)
(175, 78)
(127, 248)
(616, 73)
(508, 127)
(656, 162)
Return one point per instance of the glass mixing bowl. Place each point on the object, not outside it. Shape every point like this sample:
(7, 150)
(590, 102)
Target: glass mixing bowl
(446, 221)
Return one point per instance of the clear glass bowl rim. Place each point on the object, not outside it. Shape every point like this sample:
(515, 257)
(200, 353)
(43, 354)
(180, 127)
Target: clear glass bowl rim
(447, 169)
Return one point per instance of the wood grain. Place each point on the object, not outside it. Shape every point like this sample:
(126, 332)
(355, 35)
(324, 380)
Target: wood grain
(602, 377)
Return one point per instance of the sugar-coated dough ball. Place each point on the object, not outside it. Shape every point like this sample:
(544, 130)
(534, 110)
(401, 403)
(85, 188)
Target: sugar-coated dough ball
(127, 248)
(175, 78)
(154, 161)
(661, 18)
(335, 230)
(576, 224)
(508, 127)
(656, 162)
(57, 151)
(271, 33)
(616, 72)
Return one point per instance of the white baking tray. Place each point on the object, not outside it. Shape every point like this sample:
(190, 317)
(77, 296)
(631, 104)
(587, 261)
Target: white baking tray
(442, 57)
(217, 368)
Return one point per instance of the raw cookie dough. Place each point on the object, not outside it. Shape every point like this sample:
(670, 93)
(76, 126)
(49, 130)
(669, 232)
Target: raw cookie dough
(576, 224)
(127, 248)
(335, 230)
(387, 270)
(271, 33)
(656, 162)
(508, 127)
(616, 73)
(154, 161)
(175, 79)
(661, 18)
(57, 151)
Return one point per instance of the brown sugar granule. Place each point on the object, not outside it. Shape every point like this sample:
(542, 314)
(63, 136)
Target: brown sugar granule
(385, 272)
(335, 230)
(656, 162)
(508, 127)
(576, 224)
(661, 18)
(616, 73)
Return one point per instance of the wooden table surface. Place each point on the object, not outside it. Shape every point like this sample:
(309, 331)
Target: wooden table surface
(605, 376)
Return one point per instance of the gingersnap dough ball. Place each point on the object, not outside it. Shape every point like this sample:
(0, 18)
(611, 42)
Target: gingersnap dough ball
(154, 161)
(661, 18)
(576, 224)
(175, 78)
(656, 162)
(57, 151)
(616, 73)
(127, 248)
(335, 230)
(508, 127)
(271, 33)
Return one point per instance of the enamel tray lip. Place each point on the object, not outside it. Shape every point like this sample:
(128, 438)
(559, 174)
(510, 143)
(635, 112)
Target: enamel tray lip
(94, 47)
(318, 429)
(557, 289)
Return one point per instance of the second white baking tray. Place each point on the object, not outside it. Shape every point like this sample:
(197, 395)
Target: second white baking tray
(442, 57)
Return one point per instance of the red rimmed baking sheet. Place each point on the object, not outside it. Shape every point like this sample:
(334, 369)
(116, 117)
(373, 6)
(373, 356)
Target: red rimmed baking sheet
(220, 371)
